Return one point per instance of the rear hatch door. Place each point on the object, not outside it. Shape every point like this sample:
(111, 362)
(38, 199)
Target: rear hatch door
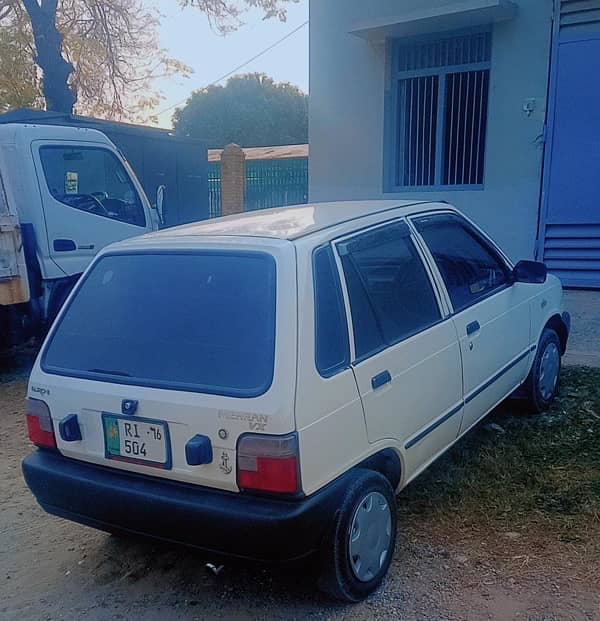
(167, 355)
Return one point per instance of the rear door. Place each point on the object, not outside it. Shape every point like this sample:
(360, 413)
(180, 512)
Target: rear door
(491, 314)
(164, 348)
(406, 354)
(89, 201)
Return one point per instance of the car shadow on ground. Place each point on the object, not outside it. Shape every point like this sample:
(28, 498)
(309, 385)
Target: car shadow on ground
(188, 577)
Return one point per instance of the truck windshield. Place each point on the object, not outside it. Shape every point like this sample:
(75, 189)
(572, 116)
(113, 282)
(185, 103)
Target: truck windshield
(202, 322)
(94, 180)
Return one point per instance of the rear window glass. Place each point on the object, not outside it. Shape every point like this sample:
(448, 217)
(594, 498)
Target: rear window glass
(203, 322)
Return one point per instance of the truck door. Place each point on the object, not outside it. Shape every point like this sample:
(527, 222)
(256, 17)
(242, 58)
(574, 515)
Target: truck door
(89, 198)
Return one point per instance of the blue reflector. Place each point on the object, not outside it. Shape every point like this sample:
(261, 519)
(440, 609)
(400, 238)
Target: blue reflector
(198, 451)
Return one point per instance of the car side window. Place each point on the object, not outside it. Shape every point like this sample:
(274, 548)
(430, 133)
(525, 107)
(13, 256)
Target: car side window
(92, 179)
(332, 348)
(391, 295)
(470, 267)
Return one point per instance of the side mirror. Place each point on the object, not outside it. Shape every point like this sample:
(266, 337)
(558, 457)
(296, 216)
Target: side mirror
(530, 271)
(160, 199)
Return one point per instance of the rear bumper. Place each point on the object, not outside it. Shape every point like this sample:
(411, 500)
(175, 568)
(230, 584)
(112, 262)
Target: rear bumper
(223, 522)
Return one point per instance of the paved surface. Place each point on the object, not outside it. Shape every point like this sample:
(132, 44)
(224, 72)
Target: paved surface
(584, 342)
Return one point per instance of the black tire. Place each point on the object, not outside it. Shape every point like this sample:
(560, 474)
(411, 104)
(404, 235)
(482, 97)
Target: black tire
(59, 295)
(338, 578)
(538, 399)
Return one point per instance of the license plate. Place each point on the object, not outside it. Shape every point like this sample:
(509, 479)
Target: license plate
(137, 440)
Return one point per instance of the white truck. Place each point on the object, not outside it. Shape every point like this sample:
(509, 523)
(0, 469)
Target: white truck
(65, 193)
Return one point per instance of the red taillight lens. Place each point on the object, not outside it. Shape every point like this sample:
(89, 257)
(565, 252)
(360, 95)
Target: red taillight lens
(268, 463)
(39, 424)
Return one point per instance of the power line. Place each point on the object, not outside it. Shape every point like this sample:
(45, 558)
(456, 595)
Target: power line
(244, 64)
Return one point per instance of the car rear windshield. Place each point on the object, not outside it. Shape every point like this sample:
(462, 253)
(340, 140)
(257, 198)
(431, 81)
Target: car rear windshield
(203, 322)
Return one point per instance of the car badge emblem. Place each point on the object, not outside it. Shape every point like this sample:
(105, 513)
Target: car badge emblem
(129, 407)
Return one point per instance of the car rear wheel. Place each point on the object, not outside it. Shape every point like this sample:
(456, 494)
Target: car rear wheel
(542, 384)
(358, 551)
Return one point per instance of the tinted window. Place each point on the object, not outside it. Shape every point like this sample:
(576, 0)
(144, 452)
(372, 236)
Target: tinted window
(391, 296)
(201, 322)
(92, 180)
(470, 267)
(332, 353)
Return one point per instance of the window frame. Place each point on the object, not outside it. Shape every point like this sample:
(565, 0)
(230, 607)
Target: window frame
(483, 237)
(392, 110)
(128, 173)
(438, 292)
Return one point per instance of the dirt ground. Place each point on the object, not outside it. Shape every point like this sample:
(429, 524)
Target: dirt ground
(54, 569)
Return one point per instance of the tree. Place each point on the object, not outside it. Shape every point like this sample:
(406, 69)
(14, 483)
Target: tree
(102, 55)
(251, 110)
(19, 82)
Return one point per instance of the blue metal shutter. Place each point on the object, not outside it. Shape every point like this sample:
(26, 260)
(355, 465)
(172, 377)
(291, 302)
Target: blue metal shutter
(571, 208)
(577, 14)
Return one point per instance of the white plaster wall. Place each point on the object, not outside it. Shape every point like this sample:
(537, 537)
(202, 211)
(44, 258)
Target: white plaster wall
(348, 82)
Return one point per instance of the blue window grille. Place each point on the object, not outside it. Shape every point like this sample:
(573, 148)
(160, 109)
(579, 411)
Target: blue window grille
(439, 111)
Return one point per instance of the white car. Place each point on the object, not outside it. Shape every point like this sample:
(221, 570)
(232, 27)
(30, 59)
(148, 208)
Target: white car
(262, 385)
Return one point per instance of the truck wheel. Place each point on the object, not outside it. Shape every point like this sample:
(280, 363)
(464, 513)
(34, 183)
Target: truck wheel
(358, 551)
(58, 297)
(542, 384)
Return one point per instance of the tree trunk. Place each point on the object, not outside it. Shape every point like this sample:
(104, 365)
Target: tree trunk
(60, 97)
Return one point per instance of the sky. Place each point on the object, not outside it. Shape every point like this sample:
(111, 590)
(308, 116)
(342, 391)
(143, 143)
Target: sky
(188, 37)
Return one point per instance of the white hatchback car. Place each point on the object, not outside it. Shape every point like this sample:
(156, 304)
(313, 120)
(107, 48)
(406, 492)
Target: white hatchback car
(261, 385)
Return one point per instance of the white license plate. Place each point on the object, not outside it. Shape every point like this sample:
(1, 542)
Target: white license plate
(137, 440)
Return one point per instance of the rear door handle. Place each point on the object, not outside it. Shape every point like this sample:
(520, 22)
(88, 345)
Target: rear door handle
(473, 327)
(381, 380)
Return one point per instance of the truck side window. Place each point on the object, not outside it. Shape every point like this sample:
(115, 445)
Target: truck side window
(94, 180)
(391, 296)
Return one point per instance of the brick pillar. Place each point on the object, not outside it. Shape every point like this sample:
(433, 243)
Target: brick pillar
(233, 179)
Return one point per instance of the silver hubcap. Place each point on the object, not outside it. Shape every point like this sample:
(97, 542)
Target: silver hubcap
(370, 536)
(549, 368)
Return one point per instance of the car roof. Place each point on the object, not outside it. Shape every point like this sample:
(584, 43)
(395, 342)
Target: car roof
(290, 223)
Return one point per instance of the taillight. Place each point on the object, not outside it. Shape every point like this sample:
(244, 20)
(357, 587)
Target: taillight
(39, 424)
(268, 463)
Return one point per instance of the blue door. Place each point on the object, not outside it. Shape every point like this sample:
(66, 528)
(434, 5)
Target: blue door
(570, 222)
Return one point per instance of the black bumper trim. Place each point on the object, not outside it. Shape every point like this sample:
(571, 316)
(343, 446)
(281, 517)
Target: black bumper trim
(229, 523)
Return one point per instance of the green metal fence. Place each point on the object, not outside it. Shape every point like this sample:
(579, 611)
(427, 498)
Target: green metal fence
(269, 183)
(214, 189)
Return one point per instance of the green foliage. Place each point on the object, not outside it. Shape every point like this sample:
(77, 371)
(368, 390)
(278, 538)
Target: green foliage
(251, 110)
(110, 50)
(19, 82)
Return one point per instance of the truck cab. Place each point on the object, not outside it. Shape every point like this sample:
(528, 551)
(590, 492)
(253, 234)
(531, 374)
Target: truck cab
(65, 193)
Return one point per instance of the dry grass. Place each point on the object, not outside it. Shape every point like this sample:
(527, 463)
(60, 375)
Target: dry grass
(542, 474)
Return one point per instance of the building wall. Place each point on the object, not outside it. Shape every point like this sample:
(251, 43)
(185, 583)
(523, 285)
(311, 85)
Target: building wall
(348, 89)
